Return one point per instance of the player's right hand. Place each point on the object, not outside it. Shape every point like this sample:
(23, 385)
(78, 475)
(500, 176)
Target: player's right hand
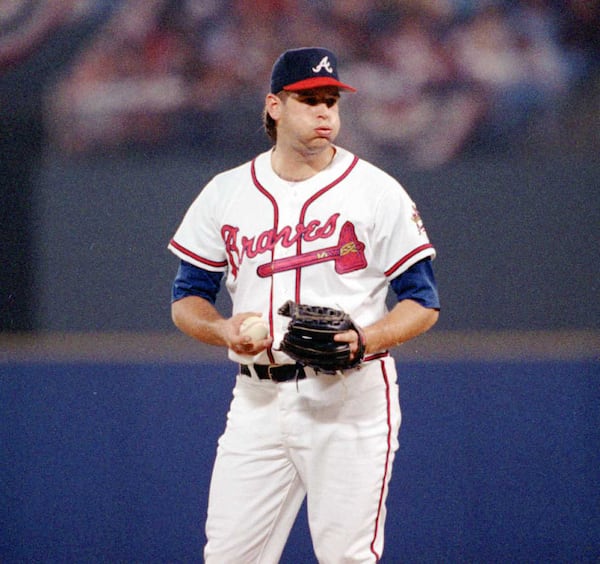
(242, 344)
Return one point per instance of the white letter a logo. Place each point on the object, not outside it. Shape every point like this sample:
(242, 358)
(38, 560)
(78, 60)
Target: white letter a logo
(324, 64)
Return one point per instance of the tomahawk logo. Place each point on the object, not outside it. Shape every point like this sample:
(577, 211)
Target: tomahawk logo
(324, 64)
(347, 256)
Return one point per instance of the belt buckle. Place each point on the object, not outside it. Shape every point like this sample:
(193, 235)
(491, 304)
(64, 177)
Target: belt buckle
(269, 374)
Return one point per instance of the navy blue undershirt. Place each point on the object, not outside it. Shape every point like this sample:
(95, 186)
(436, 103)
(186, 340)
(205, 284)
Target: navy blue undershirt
(417, 284)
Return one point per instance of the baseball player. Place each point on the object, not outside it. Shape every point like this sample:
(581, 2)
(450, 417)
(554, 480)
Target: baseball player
(306, 222)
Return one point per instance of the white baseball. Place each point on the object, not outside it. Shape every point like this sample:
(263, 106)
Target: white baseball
(254, 327)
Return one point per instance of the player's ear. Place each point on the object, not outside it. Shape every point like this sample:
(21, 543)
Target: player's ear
(273, 104)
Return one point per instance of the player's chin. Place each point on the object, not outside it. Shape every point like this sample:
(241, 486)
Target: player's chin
(319, 143)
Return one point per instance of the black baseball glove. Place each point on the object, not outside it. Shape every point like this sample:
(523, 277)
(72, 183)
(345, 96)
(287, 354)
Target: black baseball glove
(309, 338)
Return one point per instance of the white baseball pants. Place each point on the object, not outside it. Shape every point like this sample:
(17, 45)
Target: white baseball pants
(330, 438)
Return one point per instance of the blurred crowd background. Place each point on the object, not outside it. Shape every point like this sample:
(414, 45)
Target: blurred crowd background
(113, 113)
(435, 77)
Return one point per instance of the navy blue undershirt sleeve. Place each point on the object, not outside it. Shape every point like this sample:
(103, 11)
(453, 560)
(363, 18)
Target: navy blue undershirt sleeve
(194, 281)
(418, 284)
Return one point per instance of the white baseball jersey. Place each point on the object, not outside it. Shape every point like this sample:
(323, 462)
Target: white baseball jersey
(335, 239)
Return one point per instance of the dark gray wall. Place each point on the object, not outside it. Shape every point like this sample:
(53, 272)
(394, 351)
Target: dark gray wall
(498, 462)
(517, 238)
(24, 75)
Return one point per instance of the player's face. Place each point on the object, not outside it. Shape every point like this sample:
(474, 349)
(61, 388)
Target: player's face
(309, 120)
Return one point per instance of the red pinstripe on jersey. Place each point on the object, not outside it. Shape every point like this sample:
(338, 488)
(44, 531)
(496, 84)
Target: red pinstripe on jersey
(407, 257)
(273, 201)
(305, 209)
(386, 470)
(207, 262)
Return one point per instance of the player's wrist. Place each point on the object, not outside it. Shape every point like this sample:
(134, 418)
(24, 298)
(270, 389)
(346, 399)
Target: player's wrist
(374, 340)
(219, 328)
(361, 343)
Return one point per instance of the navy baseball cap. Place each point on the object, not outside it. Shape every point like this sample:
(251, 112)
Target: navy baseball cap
(304, 68)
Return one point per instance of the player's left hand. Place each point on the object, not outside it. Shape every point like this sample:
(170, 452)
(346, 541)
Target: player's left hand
(322, 337)
(353, 339)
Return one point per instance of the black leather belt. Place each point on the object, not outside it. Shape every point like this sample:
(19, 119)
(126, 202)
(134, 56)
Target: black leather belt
(275, 372)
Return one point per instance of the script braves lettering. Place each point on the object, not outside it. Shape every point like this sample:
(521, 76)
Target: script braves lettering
(266, 241)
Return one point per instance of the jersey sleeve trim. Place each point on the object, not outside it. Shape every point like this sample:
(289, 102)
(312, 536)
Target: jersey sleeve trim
(186, 253)
(424, 250)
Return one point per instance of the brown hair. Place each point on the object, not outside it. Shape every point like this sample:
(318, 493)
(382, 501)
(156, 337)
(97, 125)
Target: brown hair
(269, 123)
(270, 126)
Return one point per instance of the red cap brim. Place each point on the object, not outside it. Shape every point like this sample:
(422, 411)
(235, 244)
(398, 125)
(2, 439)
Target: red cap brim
(316, 82)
